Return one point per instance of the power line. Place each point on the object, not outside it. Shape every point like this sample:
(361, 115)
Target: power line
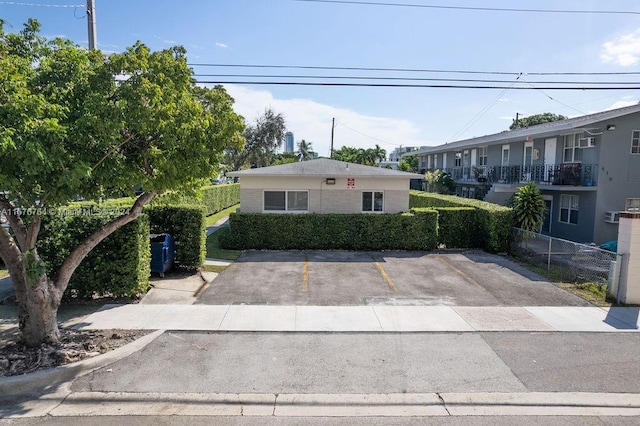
(483, 9)
(310, 67)
(15, 3)
(334, 77)
(416, 86)
(367, 136)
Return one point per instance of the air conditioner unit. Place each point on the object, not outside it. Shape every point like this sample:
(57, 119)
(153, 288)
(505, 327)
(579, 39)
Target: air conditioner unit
(612, 217)
(589, 142)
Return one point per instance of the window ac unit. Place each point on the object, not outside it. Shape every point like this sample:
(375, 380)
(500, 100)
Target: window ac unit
(612, 217)
(589, 142)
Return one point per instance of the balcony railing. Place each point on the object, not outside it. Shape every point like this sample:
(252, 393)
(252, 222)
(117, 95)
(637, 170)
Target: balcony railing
(572, 174)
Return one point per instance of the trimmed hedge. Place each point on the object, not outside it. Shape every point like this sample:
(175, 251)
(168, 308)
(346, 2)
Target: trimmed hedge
(186, 224)
(457, 227)
(493, 222)
(218, 197)
(407, 231)
(119, 266)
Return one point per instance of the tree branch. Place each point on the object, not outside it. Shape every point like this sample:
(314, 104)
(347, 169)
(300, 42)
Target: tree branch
(10, 252)
(82, 250)
(16, 222)
(111, 151)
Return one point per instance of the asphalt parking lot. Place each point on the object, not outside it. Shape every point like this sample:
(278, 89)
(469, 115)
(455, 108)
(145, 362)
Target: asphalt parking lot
(337, 278)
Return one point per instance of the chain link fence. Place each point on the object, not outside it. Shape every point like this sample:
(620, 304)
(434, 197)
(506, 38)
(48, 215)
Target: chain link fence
(572, 262)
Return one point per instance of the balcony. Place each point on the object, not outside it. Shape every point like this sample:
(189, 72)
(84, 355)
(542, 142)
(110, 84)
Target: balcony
(569, 174)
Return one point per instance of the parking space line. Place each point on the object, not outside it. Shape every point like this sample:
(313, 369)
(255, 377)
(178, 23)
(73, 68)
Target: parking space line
(459, 272)
(386, 276)
(305, 275)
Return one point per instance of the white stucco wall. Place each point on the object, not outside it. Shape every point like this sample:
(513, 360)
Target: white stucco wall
(629, 246)
(323, 198)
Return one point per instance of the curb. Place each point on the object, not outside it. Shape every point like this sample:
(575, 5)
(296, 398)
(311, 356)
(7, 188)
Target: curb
(47, 380)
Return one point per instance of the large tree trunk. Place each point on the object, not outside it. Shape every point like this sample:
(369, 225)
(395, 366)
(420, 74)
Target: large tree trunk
(38, 311)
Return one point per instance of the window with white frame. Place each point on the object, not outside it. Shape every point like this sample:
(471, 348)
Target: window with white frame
(286, 201)
(635, 142)
(632, 204)
(572, 152)
(372, 201)
(482, 156)
(569, 206)
(458, 159)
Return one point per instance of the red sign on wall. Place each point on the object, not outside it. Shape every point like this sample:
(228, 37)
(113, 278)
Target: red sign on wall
(351, 183)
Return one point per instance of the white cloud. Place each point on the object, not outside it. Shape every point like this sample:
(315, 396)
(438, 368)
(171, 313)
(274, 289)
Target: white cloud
(622, 104)
(222, 45)
(170, 42)
(623, 51)
(311, 121)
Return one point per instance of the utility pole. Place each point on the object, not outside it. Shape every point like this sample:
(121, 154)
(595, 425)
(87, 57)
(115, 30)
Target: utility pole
(333, 126)
(517, 115)
(91, 24)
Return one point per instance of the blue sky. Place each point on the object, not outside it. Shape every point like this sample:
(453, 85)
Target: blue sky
(288, 32)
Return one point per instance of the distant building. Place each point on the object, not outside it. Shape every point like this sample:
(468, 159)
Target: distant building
(288, 142)
(396, 154)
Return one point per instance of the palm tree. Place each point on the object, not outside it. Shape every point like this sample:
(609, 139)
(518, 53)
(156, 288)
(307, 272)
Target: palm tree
(304, 150)
(380, 153)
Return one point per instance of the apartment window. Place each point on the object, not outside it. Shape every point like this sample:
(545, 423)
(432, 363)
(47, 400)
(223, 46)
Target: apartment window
(286, 201)
(372, 201)
(572, 152)
(635, 142)
(632, 204)
(482, 156)
(458, 160)
(569, 205)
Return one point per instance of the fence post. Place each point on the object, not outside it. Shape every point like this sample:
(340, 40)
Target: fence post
(613, 288)
(549, 256)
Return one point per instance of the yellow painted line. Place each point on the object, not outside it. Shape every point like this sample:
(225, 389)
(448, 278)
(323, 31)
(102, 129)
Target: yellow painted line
(305, 275)
(459, 272)
(386, 276)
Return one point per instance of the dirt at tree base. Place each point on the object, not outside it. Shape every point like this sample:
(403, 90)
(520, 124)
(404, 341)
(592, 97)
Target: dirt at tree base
(17, 358)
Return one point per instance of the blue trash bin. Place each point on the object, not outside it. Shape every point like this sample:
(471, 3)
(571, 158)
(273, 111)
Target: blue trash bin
(162, 253)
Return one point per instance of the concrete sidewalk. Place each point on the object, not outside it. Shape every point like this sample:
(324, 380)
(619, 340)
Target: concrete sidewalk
(363, 318)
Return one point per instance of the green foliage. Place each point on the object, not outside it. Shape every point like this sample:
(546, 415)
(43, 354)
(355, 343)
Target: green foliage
(494, 222)
(408, 231)
(285, 158)
(119, 266)
(458, 227)
(440, 182)
(528, 207)
(261, 141)
(409, 163)
(368, 157)
(305, 151)
(536, 119)
(186, 224)
(219, 197)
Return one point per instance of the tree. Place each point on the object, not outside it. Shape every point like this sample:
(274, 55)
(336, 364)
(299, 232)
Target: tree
(440, 182)
(536, 119)
(368, 157)
(261, 141)
(74, 122)
(528, 207)
(305, 150)
(379, 153)
(409, 163)
(285, 158)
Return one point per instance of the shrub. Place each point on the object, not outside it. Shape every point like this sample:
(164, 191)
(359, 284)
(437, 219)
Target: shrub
(458, 227)
(218, 197)
(408, 231)
(119, 266)
(186, 224)
(494, 222)
(528, 207)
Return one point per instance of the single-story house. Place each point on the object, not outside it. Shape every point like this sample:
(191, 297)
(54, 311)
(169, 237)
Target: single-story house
(323, 186)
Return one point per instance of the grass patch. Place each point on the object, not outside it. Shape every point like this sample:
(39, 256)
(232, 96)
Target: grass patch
(211, 220)
(214, 268)
(213, 246)
(3, 271)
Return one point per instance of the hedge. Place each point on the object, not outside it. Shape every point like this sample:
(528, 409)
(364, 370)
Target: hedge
(407, 231)
(493, 222)
(119, 266)
(457, 227)
(186, 224)
(218, 197)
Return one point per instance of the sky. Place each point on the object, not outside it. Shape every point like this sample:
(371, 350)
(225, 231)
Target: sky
(512, 45)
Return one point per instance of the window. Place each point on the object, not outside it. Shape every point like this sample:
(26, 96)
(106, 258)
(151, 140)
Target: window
(569, 209)
(286, 201)
(572, 152)
(482, 156)
(632, 204)
(635, 142)
(458, 160)
(372, 201)
(435, 161)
